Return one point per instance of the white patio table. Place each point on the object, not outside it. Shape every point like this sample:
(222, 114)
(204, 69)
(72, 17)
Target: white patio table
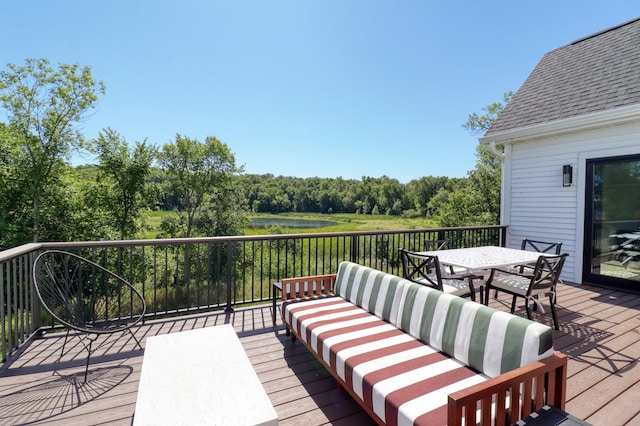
(478, 258)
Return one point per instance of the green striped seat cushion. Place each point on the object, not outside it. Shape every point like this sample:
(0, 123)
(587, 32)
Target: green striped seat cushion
(374, 291)
(483, 338)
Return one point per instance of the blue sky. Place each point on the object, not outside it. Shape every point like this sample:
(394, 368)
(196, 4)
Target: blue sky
(328, 88)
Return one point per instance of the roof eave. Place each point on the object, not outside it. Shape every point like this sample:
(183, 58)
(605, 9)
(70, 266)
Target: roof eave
(606, 118)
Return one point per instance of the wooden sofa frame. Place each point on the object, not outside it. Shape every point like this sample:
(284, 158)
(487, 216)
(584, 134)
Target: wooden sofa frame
(542, 382)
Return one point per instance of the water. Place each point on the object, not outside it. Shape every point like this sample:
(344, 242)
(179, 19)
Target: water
(289, 223)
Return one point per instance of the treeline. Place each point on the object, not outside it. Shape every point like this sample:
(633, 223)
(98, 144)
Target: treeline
(268, 193)
(281, 194)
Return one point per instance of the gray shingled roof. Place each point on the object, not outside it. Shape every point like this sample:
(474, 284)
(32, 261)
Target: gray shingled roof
(596, 73)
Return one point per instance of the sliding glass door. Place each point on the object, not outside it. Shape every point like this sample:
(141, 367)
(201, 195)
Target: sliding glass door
(612, 222)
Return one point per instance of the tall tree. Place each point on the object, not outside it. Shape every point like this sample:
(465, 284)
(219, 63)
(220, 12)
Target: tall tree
(7, 186)
(197, 170)
(43, 105)
(478, 201)
(126, 171)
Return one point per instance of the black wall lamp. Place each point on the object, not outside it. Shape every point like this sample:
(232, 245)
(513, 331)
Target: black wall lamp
(567, 175)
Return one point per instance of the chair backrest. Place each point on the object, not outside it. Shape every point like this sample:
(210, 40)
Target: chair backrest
(541, 246)
(85, 296)
(433, 245)
(547, 272)
(420, 268)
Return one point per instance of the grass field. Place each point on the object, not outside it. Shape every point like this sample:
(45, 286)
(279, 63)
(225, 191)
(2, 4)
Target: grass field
(344, 222)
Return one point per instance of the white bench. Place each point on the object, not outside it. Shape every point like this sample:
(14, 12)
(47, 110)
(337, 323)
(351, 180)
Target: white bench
(200, 377)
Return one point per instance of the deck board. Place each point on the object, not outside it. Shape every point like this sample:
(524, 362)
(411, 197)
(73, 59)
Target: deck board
(599, 331)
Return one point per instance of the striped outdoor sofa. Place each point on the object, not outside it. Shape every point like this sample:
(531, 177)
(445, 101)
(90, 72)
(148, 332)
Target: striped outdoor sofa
(411, 355)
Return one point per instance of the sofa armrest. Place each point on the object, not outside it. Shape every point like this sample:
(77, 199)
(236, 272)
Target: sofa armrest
(542, 382)
(314, 285)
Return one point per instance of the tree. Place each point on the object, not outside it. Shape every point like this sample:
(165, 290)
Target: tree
(43, 105)
(199, 171)
(225, 212)
(7, 186)
(478, 202)
(125, 172)
(421, 191)
(478, 124)
(390, 194)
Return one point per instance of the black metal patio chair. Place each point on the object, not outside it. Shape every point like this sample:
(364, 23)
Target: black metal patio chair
(426, 270)
(433, 245)
(541, 281)
(540, 247)
(85, 297)
(537, 246)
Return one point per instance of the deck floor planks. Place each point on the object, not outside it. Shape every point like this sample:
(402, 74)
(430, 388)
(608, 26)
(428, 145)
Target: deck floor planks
(599, 330)
(622, 407)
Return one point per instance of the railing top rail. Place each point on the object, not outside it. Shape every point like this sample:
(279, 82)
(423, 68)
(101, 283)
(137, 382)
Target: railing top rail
(174, 241)
(17, 251)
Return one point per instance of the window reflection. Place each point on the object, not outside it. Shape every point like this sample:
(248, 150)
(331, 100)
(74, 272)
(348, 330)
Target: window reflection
(616, 219)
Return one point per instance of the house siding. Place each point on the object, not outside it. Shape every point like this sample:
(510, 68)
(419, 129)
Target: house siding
(539, 206)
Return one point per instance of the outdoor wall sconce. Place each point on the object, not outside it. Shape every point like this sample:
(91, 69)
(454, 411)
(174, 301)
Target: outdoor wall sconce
(567, 175)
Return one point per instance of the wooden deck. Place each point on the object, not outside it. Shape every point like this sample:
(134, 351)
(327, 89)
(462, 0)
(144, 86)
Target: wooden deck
(599, 332)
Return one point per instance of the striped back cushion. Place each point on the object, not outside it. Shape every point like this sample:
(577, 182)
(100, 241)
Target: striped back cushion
(488, 340)
(374, 291)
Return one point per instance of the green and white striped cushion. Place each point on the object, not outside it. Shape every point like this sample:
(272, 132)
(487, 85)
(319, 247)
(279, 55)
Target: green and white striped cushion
(484, 338)
(374, 291)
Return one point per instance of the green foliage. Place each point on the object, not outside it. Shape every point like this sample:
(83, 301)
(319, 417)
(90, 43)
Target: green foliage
(202, 174)
(478, 124)
(170, 226)
(43, 105)
(88, 220)
(282, 194)
(423, 190)
(225, 213)
(410, 213)
(123, 173)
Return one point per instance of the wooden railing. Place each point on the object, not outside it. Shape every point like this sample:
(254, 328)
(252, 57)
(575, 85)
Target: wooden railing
(181, 276)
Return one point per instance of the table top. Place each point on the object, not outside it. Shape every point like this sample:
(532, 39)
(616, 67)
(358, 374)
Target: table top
(200, 377)
(487, 257)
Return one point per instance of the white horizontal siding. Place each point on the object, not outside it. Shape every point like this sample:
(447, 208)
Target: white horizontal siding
(538, 206)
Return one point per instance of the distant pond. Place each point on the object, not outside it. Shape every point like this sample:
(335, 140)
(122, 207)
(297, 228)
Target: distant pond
(261, 222)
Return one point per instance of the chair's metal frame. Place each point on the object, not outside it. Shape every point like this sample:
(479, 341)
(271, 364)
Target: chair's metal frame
(538, 246)
(542, 281)
(86, 297)
(426, 270)
(433, 245)
(542, 246)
